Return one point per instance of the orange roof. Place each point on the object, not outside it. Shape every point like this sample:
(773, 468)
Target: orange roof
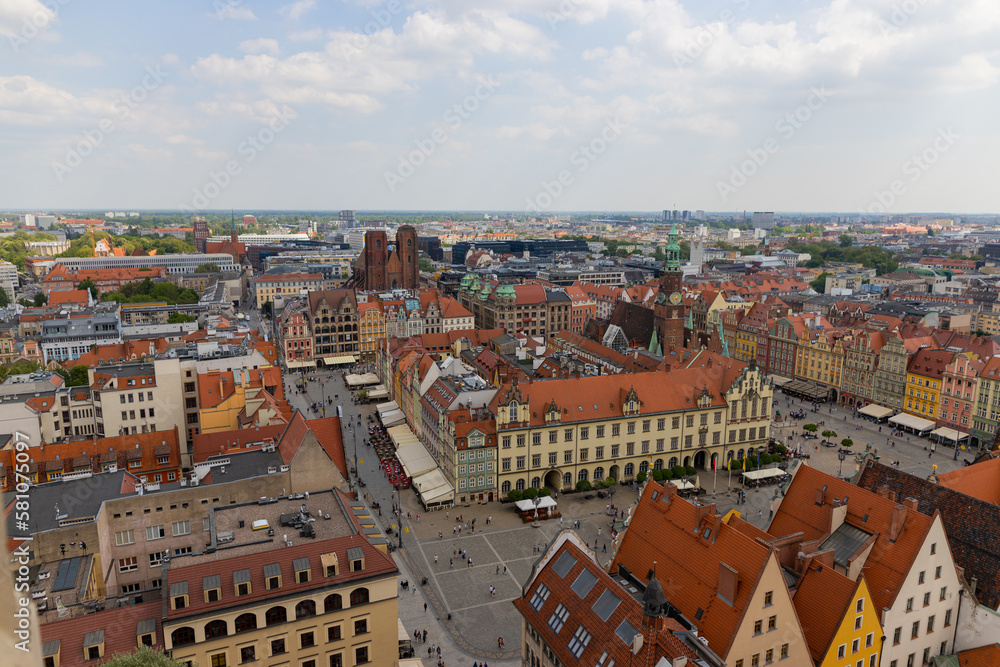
(327, 431)
(890, 560)
(668, 530)
(984, 656)
(981, 480)
(822, 599)
(80, 297)
(119, 637)
(207, 445)
(601, 397)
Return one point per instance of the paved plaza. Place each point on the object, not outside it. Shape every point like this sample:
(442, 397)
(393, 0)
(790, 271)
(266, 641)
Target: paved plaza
(478, 618)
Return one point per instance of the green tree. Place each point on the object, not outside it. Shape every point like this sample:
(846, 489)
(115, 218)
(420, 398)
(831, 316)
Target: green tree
(267, 309)
(145, 656)
(425, 265)
(4, 298)
(819, 284)
(847, 443)
(812, 428)
(18, 368)
(40, 299)
(180, 318)
(583, 486)
(75, 377)
(89, 284)
(210, 267)
(829, 434)
(846, 240)
(930, 232)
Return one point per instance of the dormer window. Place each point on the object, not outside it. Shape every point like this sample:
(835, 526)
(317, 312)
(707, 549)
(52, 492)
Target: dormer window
(50, 653)
(241, 582)
(93, 645)
(145, 633)
(303, 573)
(179, 595)
(330, 564)
(272, 576)
(212, 587)
(356, 557)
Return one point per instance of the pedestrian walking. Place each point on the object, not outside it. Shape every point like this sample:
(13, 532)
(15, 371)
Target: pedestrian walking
(435, 559)
(498, 569)
(425, 607)
(451, 563)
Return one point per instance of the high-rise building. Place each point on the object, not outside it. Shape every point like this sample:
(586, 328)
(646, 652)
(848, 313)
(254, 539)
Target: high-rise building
(201, 233)
(763, 220)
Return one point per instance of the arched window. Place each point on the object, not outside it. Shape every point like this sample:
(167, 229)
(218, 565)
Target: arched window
(567, 479)
(629, 469)
(215, 629)
(182, 636)
(359, 596)
(519, 484)
(753, 408)
(246, 622)
(598, 473)
(582, 475)
(536, 482)
(644, 466)
(658, 464)
(305, 609)
(275, 615)
(729, 456)
(739, 454)
(673, 462)
(333, 602)
(743, 408)
(505, 487)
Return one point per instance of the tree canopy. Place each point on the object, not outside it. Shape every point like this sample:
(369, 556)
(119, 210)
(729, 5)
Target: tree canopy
(145, 656)
(824, 252)
(147, 291)
(76, 376)
(209, 267)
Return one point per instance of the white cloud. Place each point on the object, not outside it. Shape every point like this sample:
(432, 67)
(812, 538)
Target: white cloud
(260, 45)
(295, 10)
(24, 18)
(306, 35)
(232, 9)
(170, 59)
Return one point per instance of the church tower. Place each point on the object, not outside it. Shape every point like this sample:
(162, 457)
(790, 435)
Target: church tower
(668, 311)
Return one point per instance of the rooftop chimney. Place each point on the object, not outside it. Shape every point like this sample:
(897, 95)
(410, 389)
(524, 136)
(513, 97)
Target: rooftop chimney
(728, 582)
(911, 503)
(898, 518)
(820, 494)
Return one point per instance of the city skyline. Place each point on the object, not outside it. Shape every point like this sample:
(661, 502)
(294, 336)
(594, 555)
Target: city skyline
(580, 105)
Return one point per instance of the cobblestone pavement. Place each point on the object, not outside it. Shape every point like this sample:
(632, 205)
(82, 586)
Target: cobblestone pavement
(453, 588)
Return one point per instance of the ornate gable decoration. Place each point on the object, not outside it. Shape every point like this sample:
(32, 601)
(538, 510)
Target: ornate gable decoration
(552, 412)
(705, 398)
(631, 403)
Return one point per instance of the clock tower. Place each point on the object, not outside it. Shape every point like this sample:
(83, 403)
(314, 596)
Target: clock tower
(668, 310)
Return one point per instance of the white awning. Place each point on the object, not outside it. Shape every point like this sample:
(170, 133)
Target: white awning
(682, 485)
(778, 380)
(433, 488)
(393, 417)
(765, 473)
(378, 393)
(300, 364)
(912, 421)
(357, 380)
(415, 459)
(387, 407)
(338, 361)
(402, 435)
(949, 434)
(876, 411)
(529, 505)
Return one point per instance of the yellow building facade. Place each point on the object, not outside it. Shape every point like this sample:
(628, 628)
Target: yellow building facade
(858, 640)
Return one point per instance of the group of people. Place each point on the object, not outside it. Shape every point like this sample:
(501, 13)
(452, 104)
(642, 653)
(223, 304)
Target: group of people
(380, 441)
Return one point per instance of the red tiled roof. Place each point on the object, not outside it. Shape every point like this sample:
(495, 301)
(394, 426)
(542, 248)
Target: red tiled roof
(327, 431)
(891, 559)
(668, 530)
(822, 599)
(657, 643)
(119, 624)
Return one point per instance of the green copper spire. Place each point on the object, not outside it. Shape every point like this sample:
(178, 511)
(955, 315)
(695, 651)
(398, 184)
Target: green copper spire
(672, 262)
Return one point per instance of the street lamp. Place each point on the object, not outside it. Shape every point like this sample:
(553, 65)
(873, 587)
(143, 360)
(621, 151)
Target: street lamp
(841, 454)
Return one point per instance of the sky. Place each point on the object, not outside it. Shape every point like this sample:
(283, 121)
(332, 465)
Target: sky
(857, 106)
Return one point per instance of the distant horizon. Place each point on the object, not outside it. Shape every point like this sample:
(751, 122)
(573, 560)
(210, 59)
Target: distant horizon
(654, 212)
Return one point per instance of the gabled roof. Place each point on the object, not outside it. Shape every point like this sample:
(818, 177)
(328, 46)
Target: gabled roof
(889, 561)
(823, 598)
(669, 531)
(569, 576)
(972, 524)
(121, 637)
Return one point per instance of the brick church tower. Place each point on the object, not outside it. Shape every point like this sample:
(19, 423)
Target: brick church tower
(668, 311)
(376, 257)
(409, 256)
